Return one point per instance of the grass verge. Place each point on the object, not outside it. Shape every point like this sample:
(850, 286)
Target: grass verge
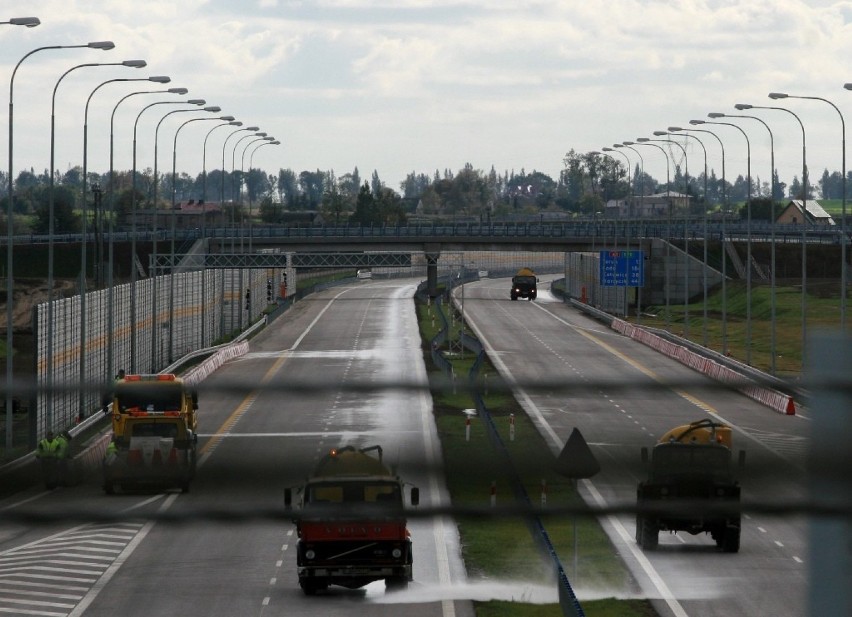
(503, 549)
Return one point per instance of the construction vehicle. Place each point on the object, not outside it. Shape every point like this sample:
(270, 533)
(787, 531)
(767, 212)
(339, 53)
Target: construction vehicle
(154, 424)
(351, 524)
(691, 486)
(524, 285)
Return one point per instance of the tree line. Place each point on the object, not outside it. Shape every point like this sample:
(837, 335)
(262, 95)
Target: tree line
(584, 185)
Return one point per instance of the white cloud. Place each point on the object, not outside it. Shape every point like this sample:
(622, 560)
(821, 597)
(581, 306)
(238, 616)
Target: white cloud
(402, 85)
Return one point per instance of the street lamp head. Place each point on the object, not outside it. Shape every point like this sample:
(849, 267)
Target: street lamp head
(105, 45)
(696, 122)
(607, 149)
(177, 90)
(642, 139)
(135, 64)
(160, 79)
(660, 133)
(594, 152)
(627, 143)
(275, 143)
(226, 118)
(236, 123)
(675, 128)
(715, 114)
(778, 95)
(29, 22)
(742, 106)
(213, 109)
(252, 128)
(197, 102)
(270, 138)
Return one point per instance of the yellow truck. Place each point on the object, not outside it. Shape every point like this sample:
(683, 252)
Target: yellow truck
(691, 486)
(154, 423)
(524, 285)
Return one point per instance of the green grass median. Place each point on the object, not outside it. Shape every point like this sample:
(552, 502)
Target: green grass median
(502, 549)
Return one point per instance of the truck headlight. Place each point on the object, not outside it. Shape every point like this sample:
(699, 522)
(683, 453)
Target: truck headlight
(310, 554)
(397, 553)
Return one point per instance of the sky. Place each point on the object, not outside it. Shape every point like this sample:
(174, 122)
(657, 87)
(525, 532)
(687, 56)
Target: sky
(401, 86)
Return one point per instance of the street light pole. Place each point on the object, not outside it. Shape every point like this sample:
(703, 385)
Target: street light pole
(772, 343)
(29, 22)
(153, 273)
(675, 129)
(10, 284)
(50, 248)
(724, 260)
(174, 231)
(98, 256)
(804, 308)
(779, 95)
(248, 188)
(274, 142)
(133, 353)
(111, 202)
(748, 230)
(685, 231)
(204, 173)
(642, 194)
(644, 141)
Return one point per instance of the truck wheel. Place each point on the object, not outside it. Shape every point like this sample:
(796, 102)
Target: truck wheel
(514, 297)
(312, 585)
(396, 583)
(731, 539)
(649, 535)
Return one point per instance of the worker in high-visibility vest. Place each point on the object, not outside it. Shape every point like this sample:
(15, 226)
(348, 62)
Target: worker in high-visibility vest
(63, 457)
(47, 453)
(48, 447)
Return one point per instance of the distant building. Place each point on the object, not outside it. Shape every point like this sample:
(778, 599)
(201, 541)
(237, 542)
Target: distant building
(813, 214)
(190, 214)
(649, 206)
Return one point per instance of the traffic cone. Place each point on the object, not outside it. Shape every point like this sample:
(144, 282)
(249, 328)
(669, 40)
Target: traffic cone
(791, 407)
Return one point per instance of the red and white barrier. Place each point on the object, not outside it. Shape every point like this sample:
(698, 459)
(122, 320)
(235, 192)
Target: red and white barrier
(780, 402)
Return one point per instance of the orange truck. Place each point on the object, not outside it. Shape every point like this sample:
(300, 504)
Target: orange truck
(154, 423)
(351, 524)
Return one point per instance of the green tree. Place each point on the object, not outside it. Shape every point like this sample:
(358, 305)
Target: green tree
(366, 212)
(65, 220)
(288, 188)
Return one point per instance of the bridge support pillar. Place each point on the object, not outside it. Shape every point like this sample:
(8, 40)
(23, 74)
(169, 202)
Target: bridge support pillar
(432, 252)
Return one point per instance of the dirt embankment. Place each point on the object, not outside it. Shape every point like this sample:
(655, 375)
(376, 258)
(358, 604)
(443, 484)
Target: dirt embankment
(28, 293)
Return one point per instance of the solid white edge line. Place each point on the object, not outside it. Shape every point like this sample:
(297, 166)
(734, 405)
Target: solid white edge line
(104, 580)
(530, 407)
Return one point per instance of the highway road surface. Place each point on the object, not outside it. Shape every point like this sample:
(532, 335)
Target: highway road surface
(687, 575)
(252, 446)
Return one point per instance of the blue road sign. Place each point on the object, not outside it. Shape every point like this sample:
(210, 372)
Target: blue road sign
(622, 269)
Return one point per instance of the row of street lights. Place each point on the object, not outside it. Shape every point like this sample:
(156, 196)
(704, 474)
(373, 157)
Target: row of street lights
(160, 79)
(686, 132)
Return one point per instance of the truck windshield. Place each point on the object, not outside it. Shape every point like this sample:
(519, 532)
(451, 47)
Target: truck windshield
(354, 492)
(160, 396)
(524, 280)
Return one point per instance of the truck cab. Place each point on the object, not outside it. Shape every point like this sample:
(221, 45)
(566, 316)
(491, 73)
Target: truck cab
(154, 423)
(524, 285)
(369, 538)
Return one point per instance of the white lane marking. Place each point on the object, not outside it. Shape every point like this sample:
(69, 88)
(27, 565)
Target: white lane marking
(530, 407)
(125, 554)
(797, 559)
